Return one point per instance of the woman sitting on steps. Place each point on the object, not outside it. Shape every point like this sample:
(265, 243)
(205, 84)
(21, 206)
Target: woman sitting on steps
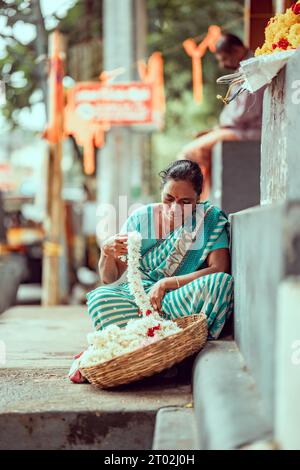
(185, 263)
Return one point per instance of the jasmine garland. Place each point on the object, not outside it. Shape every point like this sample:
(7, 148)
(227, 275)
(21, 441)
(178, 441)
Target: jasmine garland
(133, 275)
(114, 341)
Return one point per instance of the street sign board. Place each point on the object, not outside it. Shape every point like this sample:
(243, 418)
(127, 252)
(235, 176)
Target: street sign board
(118, 104)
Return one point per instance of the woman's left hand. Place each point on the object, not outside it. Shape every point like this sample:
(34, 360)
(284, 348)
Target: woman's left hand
(157, 293)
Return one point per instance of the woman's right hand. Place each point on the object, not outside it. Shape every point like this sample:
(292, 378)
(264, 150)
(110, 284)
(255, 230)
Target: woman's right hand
(116, 246)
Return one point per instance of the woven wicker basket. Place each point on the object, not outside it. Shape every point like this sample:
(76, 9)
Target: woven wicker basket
(152, 358)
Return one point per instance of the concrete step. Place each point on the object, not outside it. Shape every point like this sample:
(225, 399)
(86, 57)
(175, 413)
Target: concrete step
(228, 408)
(41, 409)
(270, 234)
(175, 429)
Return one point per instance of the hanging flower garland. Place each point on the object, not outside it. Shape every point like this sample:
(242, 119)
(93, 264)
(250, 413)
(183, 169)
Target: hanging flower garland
(114, 341)
(136, 287)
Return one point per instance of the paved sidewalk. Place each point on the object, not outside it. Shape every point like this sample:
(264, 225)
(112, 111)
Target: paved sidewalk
(41, 408)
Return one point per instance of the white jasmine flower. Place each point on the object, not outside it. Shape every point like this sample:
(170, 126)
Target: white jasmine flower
(114, 341)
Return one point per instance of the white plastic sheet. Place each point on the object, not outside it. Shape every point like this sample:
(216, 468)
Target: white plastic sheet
(259, 71)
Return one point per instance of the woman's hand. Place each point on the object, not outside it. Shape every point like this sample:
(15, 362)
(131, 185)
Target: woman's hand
(116, 246)
(157, 293)
(111, 267)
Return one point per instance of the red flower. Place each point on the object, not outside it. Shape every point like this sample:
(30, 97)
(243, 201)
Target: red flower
(78, 355)
(150, 331)
(77, 378)
(296, 8)
(283, 43)
(148, 312)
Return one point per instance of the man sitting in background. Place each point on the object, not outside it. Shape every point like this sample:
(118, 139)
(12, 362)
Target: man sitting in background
(241, 119)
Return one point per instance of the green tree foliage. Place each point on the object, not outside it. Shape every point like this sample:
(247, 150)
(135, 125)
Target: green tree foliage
(23, 63)
(83, 22)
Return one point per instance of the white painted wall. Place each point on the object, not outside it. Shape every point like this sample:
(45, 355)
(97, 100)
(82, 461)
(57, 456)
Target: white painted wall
(287, 397)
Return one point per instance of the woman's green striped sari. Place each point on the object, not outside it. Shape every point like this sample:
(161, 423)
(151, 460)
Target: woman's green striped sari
(183, 251)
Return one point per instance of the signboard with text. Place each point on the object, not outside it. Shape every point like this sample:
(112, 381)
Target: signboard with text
(117, 104)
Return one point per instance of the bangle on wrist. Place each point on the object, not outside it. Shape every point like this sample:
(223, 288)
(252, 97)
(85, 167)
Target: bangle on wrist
(178, 284)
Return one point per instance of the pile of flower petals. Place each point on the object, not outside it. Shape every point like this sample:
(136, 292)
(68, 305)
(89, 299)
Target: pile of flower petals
(282, 32)
(114, 341)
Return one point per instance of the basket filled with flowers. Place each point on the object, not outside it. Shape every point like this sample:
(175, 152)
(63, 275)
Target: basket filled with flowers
(146, 345)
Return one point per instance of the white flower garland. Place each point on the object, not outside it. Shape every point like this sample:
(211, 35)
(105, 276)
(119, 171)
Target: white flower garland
(136, 287)
(114, 341)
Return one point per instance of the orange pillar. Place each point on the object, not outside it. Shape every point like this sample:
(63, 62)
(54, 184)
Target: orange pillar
(257, 14)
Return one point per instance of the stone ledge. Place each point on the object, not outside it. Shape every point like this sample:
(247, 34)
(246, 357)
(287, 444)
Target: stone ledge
(228, 408)
(265, 249)
(175, 429)
(86, 430)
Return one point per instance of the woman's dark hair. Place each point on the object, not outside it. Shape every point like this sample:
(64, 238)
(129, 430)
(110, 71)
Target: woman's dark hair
(184, 170)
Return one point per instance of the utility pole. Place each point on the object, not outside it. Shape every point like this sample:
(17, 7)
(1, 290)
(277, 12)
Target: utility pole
(53, 247)
(120, 163)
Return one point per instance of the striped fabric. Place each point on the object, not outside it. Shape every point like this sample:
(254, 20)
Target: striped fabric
(211, 294)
